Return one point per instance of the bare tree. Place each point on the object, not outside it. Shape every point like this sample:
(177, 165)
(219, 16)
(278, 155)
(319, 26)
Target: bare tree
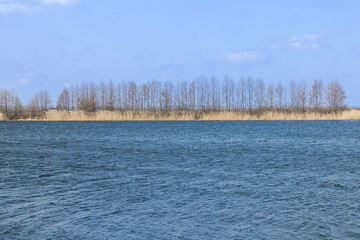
(64, 101)
(33, 107)
(270, 96)
(231, 93)
(166, 96)
(111, 97)
(207, 97)
(238, 91)
(40, 103)
(316, 94)
(260, 94)
(144, 95)
(293, 95)
(243, 93)
(132, 96)
(215, 93)
(183, 95)
(335, 96)
(118, 99)
(302, 95)
(106, 96)
(92, 98)
(250, 89)
(10, 105)
(228, 92)
(279, 93)
(125, 95)
(154, 91)
(192, 95)
(286, 97)
(200, 94)
(102, 96)
(199, 91)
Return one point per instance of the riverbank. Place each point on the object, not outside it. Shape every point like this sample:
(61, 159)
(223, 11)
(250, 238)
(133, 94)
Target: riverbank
(351, 114)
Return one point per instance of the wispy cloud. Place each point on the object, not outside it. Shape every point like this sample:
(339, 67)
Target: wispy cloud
(302, 42)
(25, 78)
(244, 57)
(22, 81)
(24, 7)
(306, 41)
(60, 2)
(275, 46)
(11, 7)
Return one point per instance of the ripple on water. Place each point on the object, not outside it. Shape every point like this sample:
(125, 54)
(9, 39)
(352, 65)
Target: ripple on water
(166, 180)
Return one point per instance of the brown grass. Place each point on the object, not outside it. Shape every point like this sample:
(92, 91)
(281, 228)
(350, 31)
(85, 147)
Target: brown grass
(351, 114)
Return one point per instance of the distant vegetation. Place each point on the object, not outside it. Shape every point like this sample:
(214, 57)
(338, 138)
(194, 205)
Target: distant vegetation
(245, 98)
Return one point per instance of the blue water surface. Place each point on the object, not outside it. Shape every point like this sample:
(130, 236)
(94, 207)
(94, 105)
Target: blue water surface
(180, 180)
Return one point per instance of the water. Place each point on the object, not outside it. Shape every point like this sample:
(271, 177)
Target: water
(180, 180)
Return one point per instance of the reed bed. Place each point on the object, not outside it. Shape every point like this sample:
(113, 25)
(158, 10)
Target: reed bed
(351, 114)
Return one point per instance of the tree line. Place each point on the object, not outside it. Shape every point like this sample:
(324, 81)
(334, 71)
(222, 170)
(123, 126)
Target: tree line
(203, 94)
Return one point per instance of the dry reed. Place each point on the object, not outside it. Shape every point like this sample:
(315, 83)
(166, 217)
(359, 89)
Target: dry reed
(351, 114)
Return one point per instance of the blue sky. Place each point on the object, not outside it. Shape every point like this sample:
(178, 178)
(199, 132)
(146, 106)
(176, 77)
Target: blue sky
(49, 44)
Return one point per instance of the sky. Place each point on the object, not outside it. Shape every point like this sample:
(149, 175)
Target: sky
(51, 44)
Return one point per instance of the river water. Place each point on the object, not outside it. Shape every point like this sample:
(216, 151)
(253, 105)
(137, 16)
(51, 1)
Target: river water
(180, 180)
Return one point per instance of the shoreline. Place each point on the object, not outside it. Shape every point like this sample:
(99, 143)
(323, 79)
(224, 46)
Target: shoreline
(273, 115)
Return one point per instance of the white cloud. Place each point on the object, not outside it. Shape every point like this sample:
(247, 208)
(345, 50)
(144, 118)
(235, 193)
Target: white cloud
(27, 77)
(60, 2)
(33, 73)
(19, 6)
(275, 46)
(306, 37)
(23, 81)
(306, 41)
(243, 57)
(10, 7)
